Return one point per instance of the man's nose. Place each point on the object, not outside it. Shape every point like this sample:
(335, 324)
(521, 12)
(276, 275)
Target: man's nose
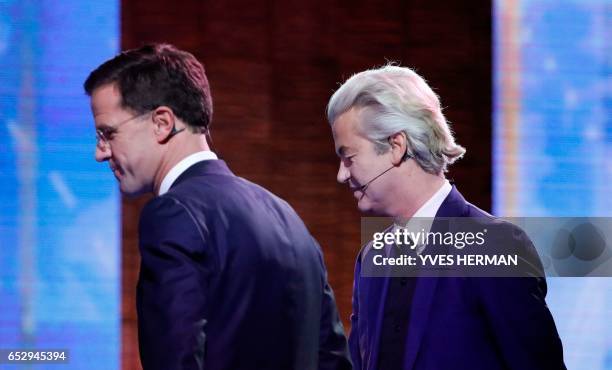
(102, 154)
(343, 174)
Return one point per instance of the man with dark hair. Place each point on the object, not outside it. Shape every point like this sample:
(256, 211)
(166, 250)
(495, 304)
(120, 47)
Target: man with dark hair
(230, 277)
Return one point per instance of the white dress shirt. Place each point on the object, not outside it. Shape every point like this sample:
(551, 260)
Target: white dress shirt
(182, 166)
(430, 208)
(428, 211)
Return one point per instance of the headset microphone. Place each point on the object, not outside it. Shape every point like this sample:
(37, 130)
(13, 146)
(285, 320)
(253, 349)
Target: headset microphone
(362, 188)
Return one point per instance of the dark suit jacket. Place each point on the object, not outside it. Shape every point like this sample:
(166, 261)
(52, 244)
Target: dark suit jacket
(460, 322)
(230, 278)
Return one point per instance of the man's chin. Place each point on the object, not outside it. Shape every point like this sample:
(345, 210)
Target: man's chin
(368, 209)
(131, 192)
(365, 207)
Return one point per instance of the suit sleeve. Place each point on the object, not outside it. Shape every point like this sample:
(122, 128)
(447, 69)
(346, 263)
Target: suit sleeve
(171, 288)
(520, 320)
(333, 350)
(354, 333)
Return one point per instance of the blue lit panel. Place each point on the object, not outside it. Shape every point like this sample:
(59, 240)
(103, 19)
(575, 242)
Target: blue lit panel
(553, 143)
(59, 209)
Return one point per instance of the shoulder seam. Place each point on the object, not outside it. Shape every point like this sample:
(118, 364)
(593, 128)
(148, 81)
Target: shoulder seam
(191, 216)
(196, 225)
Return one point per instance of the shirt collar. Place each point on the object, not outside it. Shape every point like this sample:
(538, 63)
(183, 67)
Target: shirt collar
(430, 208)
(423, 217)
(182, 166)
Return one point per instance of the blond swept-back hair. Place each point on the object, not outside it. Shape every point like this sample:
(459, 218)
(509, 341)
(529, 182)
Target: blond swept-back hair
(396, 99)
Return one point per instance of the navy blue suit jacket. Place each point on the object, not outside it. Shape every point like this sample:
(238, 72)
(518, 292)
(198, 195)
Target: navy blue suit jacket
(460, 322)
(230, 278)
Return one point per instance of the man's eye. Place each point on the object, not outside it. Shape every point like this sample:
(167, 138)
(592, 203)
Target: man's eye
(108, 134)
(348, 160)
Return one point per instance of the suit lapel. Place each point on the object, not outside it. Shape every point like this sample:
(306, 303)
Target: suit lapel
(377, 292)
(454, 205)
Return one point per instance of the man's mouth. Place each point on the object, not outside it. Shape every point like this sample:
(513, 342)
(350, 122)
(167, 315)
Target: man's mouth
(115, 171)
(357, 192)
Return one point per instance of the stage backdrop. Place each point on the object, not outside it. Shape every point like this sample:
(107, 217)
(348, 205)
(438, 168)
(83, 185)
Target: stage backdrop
(272, 68)
(553, 142)
(59, 209)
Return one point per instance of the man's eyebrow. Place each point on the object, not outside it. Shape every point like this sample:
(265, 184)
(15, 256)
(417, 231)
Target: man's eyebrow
(344, 151)
(105, 127)
(341, 151)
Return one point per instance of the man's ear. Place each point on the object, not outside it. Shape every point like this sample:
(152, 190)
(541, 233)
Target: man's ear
(399, 145)
(164, 121)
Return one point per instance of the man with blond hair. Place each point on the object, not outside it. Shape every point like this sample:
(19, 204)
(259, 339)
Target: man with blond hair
(394, 146)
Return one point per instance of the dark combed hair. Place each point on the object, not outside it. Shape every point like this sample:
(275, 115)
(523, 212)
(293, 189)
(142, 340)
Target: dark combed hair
(156, 75)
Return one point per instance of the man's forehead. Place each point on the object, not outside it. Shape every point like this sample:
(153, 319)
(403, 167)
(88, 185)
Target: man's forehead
(349, 121)
(345, 130)
(340, 140)
(105, 99)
